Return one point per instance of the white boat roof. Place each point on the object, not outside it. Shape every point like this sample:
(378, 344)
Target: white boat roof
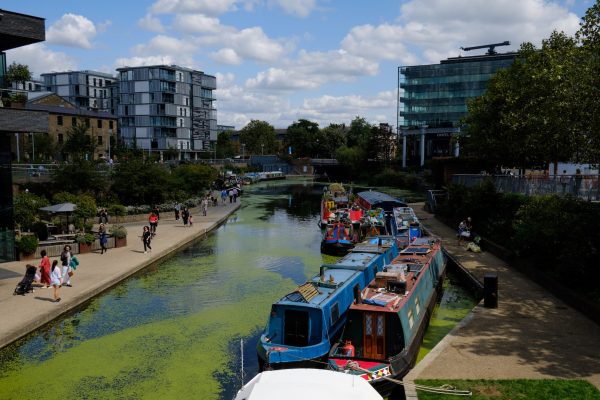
(304, 383)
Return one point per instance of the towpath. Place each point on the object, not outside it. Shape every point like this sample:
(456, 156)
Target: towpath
(531, 335)
(20, 315)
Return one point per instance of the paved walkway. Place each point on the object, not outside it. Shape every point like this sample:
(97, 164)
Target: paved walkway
(96, 272)
(531, 335)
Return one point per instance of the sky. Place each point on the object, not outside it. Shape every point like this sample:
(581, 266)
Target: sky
(279, 61)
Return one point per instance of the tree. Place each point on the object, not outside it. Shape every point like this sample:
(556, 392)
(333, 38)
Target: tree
(528, 115)
(359, 133)
(26, 209)
(79, 145)
(259, 137)
(352, 158)
(17, 73)
(138, 182)
(194, 179)
(81, 177)
(304, 138)
(225, 148)
(332, 138)
(588, 81)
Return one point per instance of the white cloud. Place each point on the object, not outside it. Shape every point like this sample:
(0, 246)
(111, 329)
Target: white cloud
(141, 61)
(440, 27)
(199, 23)
(301, 8)
(151, 23)
(103, 26)
(72, 30)
(207, 7)
(313, 69)
(378, 42)
(226, 56)
(40, 59)
(163, 44)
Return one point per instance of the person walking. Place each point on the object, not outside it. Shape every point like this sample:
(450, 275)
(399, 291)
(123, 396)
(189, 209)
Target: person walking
(73, 264)
(230, 193)
(204, 206)
(177, 209)
(191, 220)
(103, 238)
(45, 269)
(65, 259)
(56, 280)
(153, 221)
(146, 238)
(185, 215)
(223, 196)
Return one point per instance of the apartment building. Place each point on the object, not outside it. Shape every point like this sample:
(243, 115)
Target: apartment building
(164, 107)
(91, 90)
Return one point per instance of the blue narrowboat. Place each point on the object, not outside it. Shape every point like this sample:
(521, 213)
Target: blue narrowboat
(386, 323)
(304, 324)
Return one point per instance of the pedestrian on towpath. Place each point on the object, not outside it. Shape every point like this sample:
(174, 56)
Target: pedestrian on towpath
(56, 280)
(146, 238)
(65, 259)
(45, 269)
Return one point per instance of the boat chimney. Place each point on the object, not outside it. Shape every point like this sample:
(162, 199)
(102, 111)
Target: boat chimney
(322, 273)
(357, 295)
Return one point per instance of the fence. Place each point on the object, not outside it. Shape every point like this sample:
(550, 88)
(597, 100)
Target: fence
(54, 250)
(582, 186)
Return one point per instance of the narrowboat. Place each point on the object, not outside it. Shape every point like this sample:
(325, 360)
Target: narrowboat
(407, 226)
(337, 239)
(304, 324)
(370, 199)
(305, 383)
(387, 320)
(334, 198)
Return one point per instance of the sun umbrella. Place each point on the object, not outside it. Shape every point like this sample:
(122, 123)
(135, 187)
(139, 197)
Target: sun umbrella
(62, 208)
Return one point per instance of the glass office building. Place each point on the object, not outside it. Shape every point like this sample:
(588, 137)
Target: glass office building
(433, 98)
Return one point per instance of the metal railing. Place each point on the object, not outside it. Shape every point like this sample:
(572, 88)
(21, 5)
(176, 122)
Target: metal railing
(582, 186)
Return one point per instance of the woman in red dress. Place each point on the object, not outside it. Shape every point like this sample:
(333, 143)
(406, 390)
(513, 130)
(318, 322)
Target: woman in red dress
(45, 270)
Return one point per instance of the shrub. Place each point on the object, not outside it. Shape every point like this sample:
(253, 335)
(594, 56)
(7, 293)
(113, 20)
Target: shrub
(117, 210)
(87, 238)
(118, 231)
(28, 244)
(40, 229)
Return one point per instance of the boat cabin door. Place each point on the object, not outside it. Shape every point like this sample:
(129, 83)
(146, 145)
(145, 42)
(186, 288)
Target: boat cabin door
(374, 335)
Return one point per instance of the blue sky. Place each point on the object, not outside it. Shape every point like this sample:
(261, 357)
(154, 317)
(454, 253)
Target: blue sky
(282, 60)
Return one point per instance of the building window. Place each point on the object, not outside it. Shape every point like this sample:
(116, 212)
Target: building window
(73, 121)
(99, 140)
(61, 138)
(87, 122)
(30, 87)
(94, 81)
(99, 123)
(59, 120)
(99, 82)
(110, 124)
(95, 93)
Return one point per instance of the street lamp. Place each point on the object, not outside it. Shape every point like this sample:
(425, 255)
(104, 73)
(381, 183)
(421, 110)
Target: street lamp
(32, 146)
(262, 149)
(243, 148)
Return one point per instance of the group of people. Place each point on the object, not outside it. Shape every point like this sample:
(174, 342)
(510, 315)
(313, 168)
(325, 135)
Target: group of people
(232, 193)
(55, 276)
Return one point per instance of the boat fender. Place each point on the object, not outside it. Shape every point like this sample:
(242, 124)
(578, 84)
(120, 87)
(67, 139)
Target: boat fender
(357, 295)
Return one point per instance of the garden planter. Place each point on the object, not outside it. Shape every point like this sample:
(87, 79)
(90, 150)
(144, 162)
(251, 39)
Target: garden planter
(85, 248)
(120, 242)
(26, 257)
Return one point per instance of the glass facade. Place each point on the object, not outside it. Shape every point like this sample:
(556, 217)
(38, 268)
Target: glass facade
(436, 95)
(7, 235)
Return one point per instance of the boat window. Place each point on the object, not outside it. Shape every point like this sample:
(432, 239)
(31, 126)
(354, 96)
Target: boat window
(335, 313)
(417, 305)
(411, 319)
(296, 328)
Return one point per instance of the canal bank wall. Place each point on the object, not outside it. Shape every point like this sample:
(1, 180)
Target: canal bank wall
(530, 335)
(97, 272)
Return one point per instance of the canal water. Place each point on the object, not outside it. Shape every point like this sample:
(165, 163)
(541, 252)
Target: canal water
(174, 330)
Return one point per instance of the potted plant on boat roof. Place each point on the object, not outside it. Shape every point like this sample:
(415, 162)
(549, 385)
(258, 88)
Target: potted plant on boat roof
(85, 241)
(120, 234)
(27, 246)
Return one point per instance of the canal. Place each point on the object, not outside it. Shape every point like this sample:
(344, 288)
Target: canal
(173, 331)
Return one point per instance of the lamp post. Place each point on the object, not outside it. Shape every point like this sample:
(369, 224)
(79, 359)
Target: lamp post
(262, 149)
(32, 146)
(243, 148)
(18, 152)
